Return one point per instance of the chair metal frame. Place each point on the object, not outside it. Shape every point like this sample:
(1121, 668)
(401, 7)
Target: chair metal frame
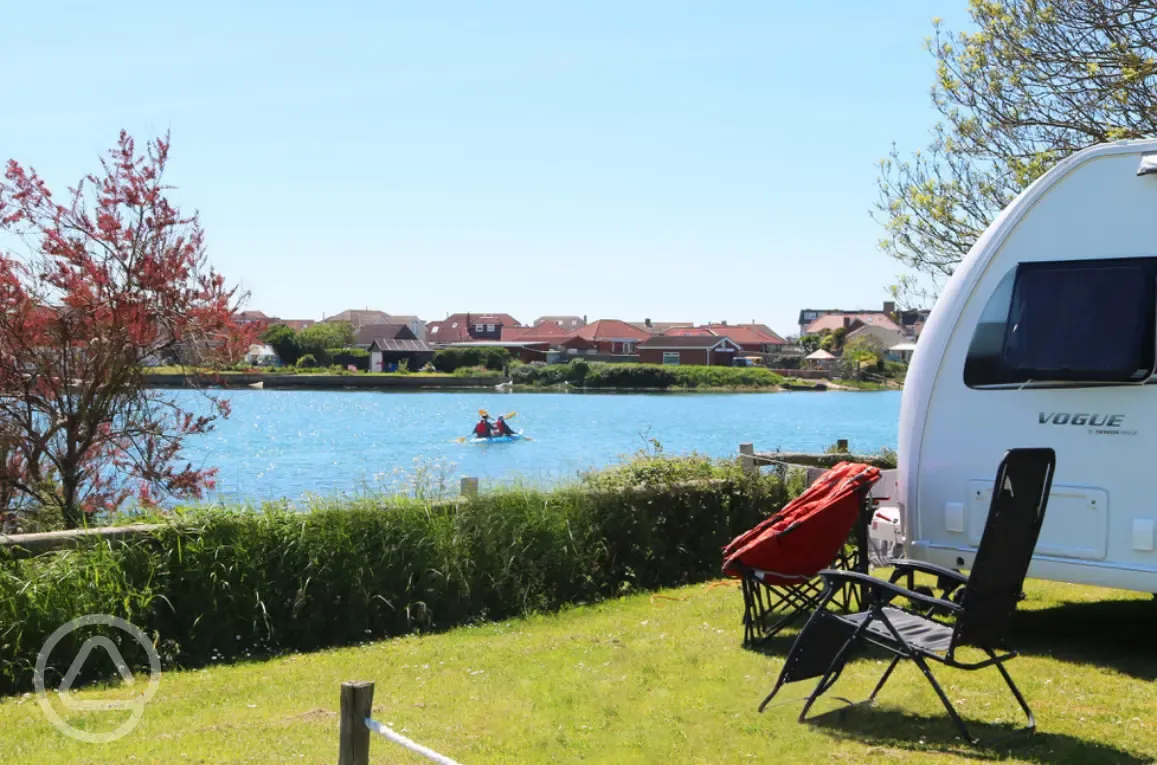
(826, 629)
(768, 609)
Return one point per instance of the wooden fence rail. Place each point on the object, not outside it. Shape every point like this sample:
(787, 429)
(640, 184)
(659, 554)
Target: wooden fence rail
(356, 723)
(751, 459)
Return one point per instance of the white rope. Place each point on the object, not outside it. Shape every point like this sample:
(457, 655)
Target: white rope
(413, 746)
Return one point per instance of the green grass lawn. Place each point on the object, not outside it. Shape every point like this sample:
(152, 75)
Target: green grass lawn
(644, 680)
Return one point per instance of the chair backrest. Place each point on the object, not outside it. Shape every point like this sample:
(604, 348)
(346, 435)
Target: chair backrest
(1015, 514)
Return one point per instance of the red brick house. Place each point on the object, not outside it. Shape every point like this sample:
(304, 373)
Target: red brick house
(606, 336)
(701, 350)
(752, 338)
(464, 327)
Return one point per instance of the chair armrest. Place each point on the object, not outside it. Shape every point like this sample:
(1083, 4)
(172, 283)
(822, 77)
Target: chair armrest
(903, 565)
(879, 585)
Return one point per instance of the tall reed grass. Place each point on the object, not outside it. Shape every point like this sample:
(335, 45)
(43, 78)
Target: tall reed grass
(226, 585)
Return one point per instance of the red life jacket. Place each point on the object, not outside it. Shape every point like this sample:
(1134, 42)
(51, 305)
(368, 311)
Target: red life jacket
(482, 429)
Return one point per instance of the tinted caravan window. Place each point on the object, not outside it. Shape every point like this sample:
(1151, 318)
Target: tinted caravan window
(1071, 321)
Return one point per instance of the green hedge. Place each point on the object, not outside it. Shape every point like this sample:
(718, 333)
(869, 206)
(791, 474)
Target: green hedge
(453, 359)
(344, 357)
(602, 375)
(229, 585)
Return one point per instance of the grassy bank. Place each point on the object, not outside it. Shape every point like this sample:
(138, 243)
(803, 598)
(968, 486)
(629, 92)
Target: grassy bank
(219, 585)
(642, 680)
(598, 375)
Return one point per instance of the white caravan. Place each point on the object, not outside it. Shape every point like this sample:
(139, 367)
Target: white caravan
(1045, 336)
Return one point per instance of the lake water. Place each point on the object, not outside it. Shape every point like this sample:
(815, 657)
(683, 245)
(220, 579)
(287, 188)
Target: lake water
(287, 444)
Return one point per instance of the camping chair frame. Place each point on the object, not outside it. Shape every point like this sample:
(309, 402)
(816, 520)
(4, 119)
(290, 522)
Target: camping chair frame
(982, 608)
(770, 608)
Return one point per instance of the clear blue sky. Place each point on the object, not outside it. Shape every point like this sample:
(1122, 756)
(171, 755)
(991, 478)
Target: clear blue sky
(671, 159)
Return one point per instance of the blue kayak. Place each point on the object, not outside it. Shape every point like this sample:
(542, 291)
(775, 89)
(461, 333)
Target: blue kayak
(496, 439)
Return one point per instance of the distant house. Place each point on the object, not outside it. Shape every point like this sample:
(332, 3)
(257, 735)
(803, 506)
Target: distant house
(257, 318)
(369, 333)
(547, 332)
(260, 355)
(416, 325)
(568, 323)
(814, 321)
(901, 352)
(297, 324)
(464, 327)
(752, 338)
(359, 318)
(606, 336)
(702, 350)
(881, 337)
(660, 327)
(387, 354)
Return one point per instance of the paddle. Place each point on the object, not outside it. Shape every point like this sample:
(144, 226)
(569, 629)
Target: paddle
(511, 416)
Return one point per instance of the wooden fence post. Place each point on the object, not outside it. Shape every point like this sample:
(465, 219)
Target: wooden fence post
(357, 701)
(747, 458)
(469, 488)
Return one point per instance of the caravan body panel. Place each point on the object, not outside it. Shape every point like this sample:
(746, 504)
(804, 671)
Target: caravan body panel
(1092, 211)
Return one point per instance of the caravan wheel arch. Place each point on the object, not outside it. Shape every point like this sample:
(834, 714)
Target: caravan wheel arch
(1045, 336)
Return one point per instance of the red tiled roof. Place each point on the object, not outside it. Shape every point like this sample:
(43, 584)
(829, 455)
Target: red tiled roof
(611, 329)
(546, 332)
(298, 324)
(687, 332)
(660, 342)
(252, 316)
(834, 321)
(746, 334)
(504, 319)
(449, 331)
(660, 327)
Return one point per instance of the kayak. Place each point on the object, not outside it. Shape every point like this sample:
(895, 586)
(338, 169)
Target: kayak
(496, 439)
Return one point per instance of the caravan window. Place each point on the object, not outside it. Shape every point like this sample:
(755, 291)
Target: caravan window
(1068, 321)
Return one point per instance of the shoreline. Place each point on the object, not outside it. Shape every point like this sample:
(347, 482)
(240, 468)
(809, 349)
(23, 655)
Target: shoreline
(420, 382)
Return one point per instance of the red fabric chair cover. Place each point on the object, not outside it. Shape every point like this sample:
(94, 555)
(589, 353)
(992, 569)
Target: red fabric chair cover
(805, 537)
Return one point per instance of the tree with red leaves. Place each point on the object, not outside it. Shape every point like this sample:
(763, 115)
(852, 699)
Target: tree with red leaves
(105, 283)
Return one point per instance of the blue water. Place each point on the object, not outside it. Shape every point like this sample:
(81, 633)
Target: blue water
(287, 444)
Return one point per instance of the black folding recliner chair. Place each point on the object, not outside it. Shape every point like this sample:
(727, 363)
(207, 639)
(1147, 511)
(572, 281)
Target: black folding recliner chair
(983, 604)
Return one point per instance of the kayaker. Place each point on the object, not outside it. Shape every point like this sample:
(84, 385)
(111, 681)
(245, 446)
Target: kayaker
(501, 428)
(482, 429)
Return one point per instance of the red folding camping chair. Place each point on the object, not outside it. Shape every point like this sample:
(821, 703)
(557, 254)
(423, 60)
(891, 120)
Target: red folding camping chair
(779, 560)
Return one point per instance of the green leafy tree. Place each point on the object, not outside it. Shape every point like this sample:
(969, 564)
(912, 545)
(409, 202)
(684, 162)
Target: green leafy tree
(283, 340)
(319, 338)
(1035, 82)
(833, 341)
(810, 342)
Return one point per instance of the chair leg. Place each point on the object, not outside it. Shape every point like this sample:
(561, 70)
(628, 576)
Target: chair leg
(833, 672)
(884, 679)
(944, 699)
(1031, 727)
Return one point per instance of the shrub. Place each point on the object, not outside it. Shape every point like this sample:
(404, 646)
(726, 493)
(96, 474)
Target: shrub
(453, 359)
(629, 376)
(343, 357)
(229, 584)
(307, 362)
(475, 372)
